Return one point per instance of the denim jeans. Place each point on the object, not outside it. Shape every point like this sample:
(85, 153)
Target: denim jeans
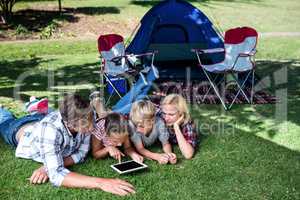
(138, 92)
(9, 125)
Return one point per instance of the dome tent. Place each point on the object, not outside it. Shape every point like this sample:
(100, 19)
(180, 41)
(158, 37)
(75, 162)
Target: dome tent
(173, 28)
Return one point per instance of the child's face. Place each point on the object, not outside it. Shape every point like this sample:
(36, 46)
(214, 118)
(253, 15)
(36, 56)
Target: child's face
(170, 114)
(145, 126)
(116, 139)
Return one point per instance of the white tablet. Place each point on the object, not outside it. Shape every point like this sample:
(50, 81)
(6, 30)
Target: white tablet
(128, 166)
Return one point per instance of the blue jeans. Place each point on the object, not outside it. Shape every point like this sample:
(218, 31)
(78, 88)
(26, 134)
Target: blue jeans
(9, 125)
(138, 92)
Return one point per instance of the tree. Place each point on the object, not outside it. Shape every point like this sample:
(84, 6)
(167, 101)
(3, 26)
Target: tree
(59, 5)
(6, 6)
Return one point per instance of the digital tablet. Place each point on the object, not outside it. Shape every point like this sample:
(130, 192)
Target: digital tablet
(128, 166)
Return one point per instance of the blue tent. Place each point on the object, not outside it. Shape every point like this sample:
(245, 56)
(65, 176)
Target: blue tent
(173, 28)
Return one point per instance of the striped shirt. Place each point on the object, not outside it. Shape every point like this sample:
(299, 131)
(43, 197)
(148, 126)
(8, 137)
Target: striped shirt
(49, 142)
(99, 132)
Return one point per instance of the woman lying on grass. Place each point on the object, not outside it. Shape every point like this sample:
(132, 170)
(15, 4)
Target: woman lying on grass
(174, 111)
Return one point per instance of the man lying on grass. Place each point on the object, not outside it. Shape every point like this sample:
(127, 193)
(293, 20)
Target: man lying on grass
(58, 140)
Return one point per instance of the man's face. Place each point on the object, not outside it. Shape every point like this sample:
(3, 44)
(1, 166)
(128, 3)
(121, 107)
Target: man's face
(81, 126)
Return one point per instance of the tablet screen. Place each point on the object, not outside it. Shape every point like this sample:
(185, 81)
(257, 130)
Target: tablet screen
(127, 165)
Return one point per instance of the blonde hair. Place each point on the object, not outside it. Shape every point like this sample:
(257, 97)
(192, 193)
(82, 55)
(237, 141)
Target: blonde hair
(180, 103)
(142, 110)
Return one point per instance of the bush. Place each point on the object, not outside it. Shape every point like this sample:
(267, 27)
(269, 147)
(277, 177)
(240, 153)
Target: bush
(49, 30)
(21, 30)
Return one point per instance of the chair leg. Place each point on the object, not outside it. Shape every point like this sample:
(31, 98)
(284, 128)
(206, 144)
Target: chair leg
(113, 86)
(211, 87)
(215, 89)
(240, 89)
(252, 87)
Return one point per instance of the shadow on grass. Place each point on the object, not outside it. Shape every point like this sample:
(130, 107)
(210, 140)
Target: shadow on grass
(69, 75)
(35, 20)
(280, 78)
(148, 3)
(25, 75)
(94, 10)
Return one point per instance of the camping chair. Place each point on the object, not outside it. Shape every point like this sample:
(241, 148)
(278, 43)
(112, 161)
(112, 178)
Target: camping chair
(240, 48)
(117, 66)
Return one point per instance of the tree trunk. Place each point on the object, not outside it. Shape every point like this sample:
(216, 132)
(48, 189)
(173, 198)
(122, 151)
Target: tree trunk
(59, 6)
(6, 6)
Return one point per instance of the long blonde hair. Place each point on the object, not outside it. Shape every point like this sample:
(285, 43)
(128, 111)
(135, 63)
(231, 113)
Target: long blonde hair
(180, 103)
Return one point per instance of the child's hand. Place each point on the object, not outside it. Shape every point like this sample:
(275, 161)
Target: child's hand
(172, 158)
(115, 153)
(162, 158)
(137, 157)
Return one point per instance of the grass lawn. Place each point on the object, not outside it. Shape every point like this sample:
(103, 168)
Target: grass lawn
(249, 152)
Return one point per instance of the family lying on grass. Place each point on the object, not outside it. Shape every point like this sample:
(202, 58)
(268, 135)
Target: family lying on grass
(62, 138)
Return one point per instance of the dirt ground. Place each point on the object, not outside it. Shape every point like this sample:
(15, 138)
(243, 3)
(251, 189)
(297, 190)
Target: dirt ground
(70, 24)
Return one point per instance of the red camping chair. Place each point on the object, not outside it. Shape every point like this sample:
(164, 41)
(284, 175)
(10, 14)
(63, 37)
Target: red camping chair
(116, 65)
(240, 48)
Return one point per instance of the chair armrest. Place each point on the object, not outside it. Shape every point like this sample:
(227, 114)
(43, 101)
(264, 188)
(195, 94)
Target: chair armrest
(251, 53)
(116, 59)
(144, 54)
(207, 51)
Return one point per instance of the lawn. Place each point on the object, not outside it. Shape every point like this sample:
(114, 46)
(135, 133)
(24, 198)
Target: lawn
(249, 152)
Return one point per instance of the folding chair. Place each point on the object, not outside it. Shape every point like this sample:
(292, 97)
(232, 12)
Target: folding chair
(117, 66)
(240, 49)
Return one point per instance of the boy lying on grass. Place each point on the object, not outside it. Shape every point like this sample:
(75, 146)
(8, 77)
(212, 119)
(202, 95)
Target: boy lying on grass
(146, 128)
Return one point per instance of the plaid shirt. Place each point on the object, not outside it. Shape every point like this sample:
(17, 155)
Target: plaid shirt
(188, 132)
(49, 142)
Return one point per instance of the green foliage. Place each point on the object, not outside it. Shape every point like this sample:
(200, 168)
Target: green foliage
(49, 30)
(21, 30)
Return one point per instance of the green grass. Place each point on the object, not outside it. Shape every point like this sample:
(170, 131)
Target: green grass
(253, 157)
(249, 152)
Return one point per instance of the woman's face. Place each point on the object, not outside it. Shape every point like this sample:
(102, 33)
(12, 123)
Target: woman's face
(170, 114)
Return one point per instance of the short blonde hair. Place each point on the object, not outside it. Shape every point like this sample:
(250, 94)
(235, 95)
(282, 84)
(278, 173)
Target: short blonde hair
(142, 110)
(180, 103)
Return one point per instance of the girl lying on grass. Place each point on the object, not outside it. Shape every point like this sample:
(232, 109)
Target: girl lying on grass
(146, 128)
(111, 133)
(182, 131)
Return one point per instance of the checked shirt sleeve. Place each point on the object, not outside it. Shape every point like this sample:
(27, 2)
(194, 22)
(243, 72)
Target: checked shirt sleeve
(81, 153)
(190, 134)
(51, 153)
